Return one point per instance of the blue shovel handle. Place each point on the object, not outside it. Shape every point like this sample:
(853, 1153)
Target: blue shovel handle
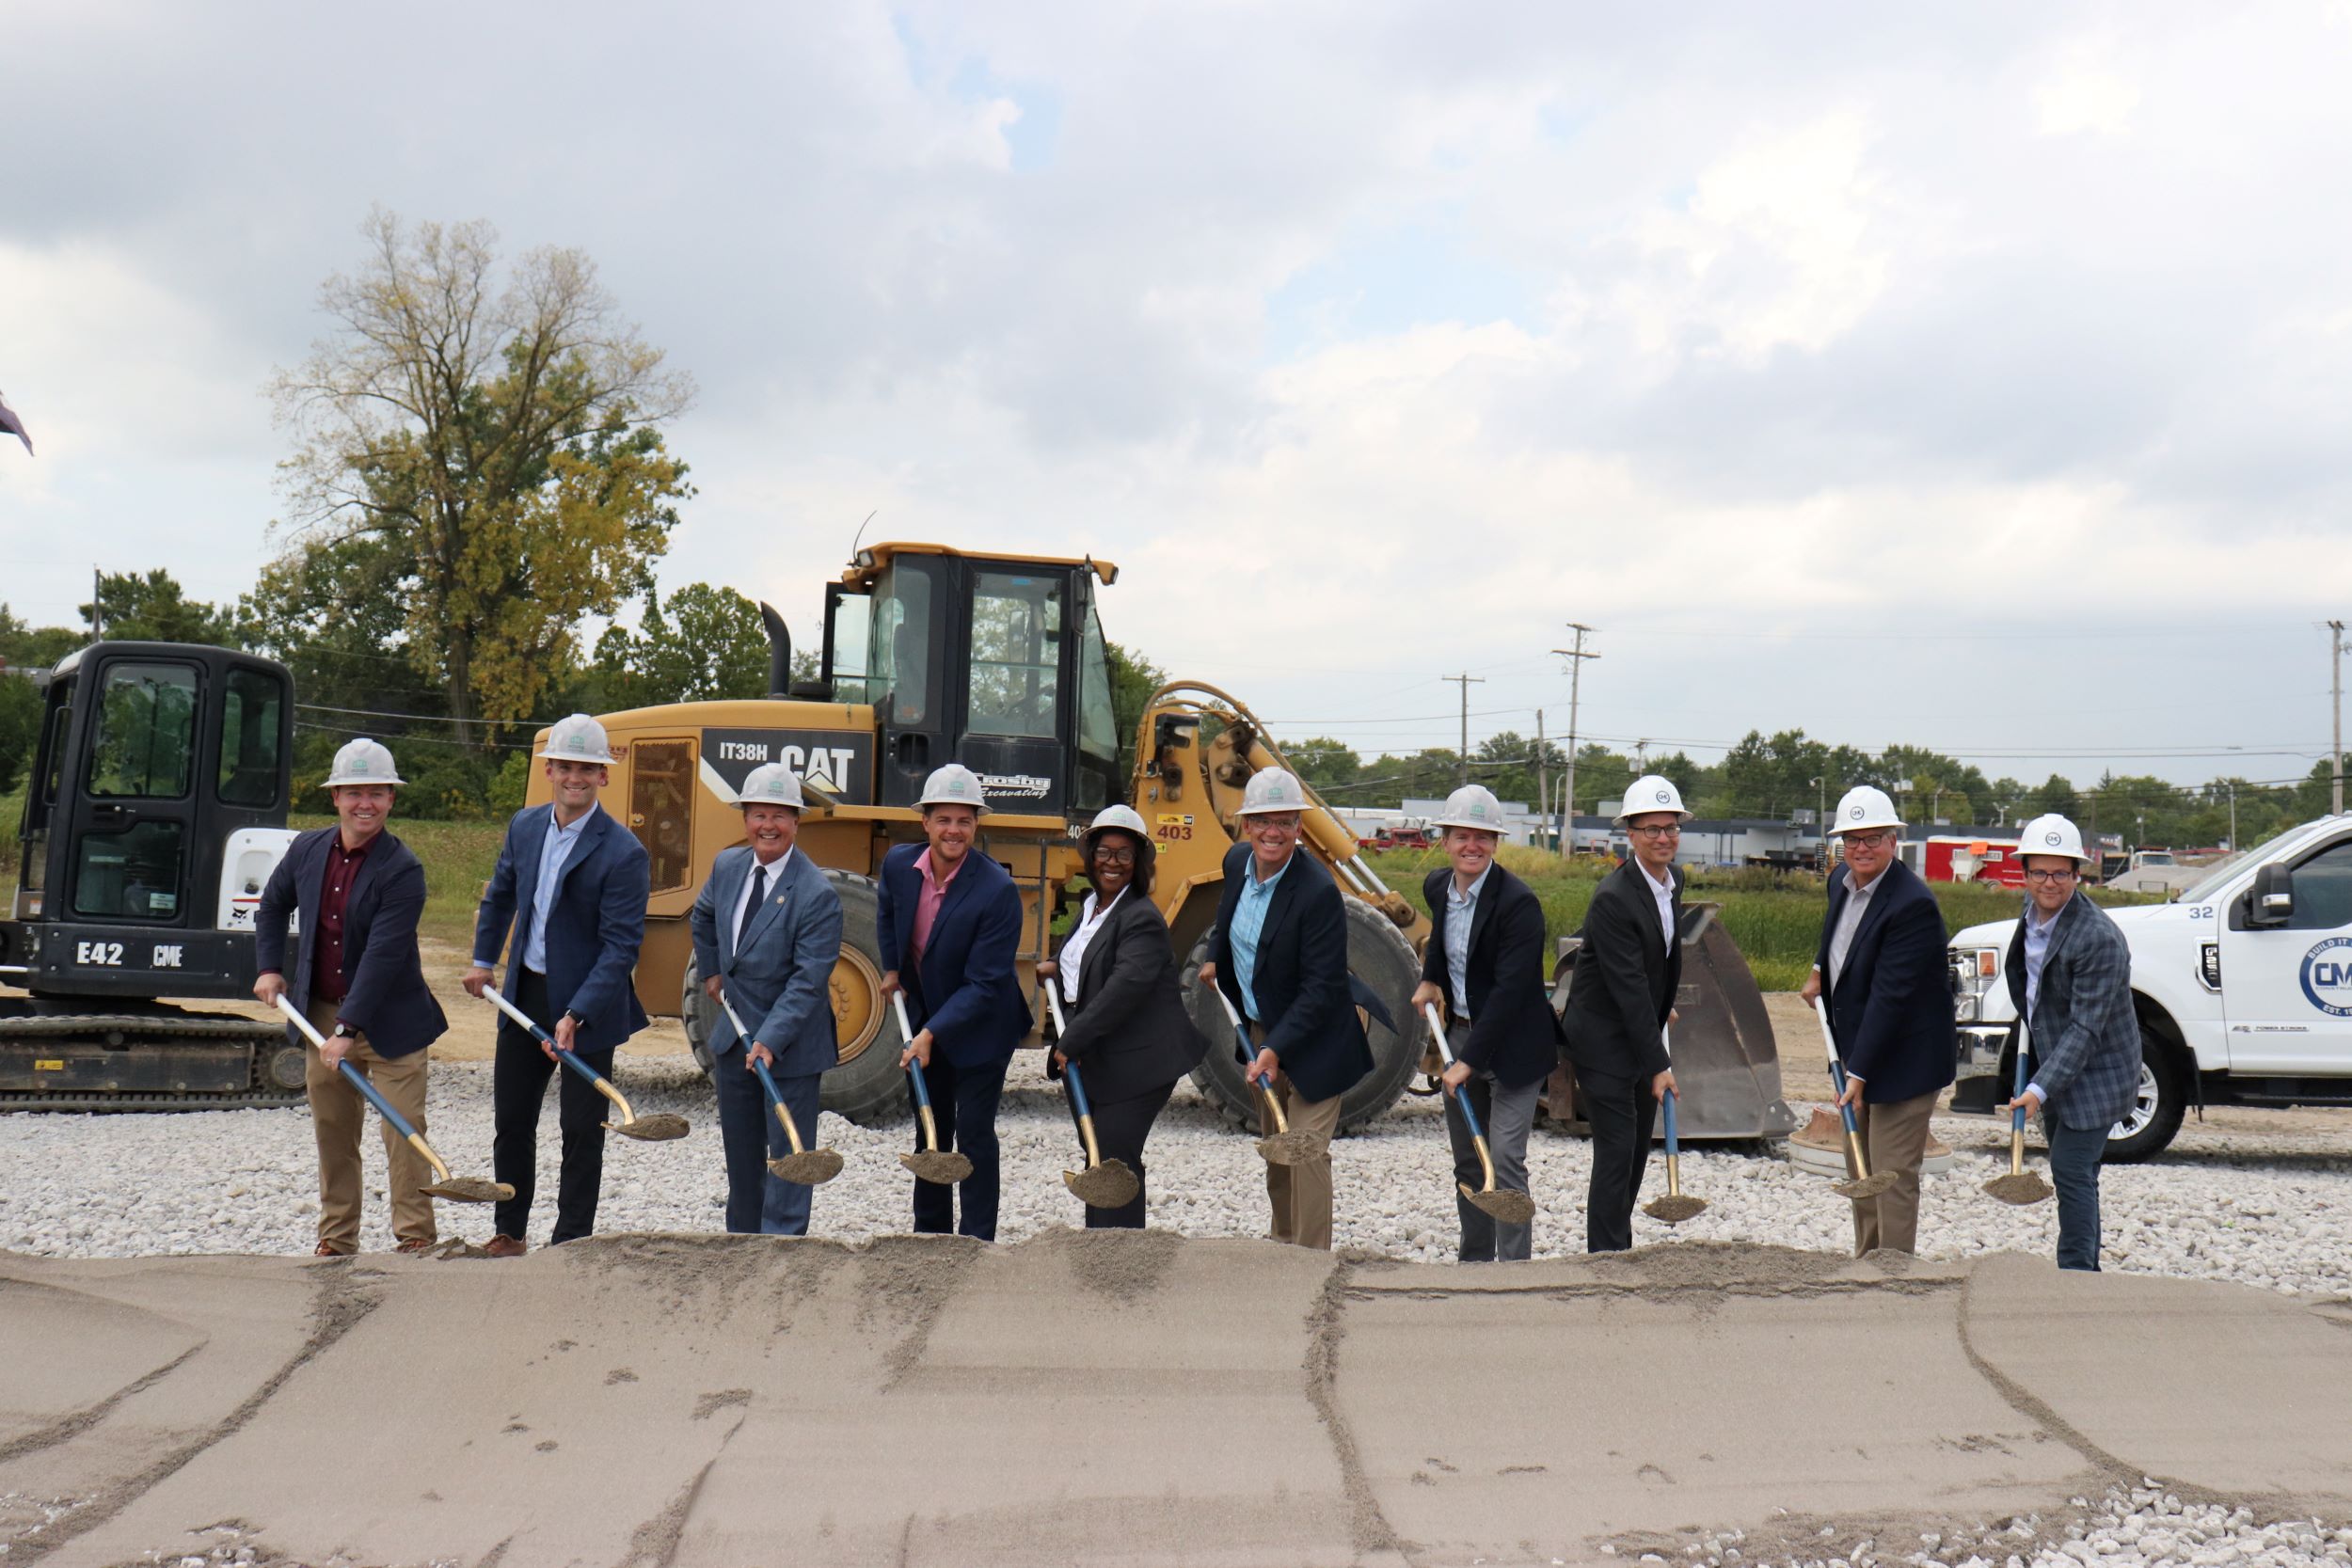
(1673, 1145)
(1837, 1076)
(1469, 1117)
(1077, 1090)
(2017, 1116)
(922, 1095)
(383, 1106)
(767, 1081)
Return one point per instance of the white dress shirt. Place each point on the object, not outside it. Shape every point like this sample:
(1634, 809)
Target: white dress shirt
(1073, 952)
(1850, 921)
(1664, 893)
(743, 900)
(1461, 911)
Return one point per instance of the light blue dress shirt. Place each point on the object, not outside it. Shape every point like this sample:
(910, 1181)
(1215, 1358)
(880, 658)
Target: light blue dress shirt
(554, 851)
(1461, 909)
(1249, 920)
(2037, 947)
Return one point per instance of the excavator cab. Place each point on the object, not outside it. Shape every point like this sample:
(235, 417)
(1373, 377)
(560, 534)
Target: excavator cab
(996, 662)
(155, 811)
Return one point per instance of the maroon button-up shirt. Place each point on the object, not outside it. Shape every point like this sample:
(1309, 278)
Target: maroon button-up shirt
(342, 869)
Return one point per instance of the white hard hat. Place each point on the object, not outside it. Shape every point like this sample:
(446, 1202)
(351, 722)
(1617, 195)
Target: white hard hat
(1472, 806)
(1271, 790)
(1648, 795)
(954, 785)
(2051, 835)
(1863, 808)
(363, 762)
(771, 784)
(1123, 818)
(578, 739)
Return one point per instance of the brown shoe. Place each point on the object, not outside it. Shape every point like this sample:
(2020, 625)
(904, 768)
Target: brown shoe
(328, 1249)
(414, 1245)
(505, 1246)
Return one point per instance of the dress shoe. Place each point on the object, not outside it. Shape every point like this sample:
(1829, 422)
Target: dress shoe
(505, 1246)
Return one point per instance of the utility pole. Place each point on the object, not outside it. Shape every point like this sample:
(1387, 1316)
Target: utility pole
(98, 611)
(1575, 658)
(2233, 817)
(1465, 680)
(1543, 769)
(2335, 752)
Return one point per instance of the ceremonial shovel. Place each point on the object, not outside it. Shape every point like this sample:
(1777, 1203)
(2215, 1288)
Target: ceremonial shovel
(1673, 1207)
(811, 1167)
(2020, 1186)
(1284, 1148)
(457, 1189)
(1508, 1207)
(1865, 1185)
(1105, 1183)
(929, 1163)
(659, 1128)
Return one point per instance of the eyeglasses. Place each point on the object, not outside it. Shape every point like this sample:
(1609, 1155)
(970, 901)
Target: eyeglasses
(1286, 822)
(1108, 856)
(2037, 877)
(1869, 841)
(1671, 829)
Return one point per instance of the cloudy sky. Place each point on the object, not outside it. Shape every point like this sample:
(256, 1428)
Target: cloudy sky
(1976, 377)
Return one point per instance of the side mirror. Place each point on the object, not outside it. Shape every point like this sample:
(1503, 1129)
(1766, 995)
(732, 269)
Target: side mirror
(2273, 900)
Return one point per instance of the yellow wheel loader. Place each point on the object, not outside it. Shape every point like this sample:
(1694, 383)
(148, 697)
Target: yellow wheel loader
(933, 655)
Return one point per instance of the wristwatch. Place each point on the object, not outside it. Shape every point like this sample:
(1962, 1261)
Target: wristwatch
(344, 1032)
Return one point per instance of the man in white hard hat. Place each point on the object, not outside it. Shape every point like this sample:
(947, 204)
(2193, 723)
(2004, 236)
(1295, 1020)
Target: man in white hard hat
(1620, 1000)
(951, 921)
(1278, 951)
(766, 929)
(356, 891)
(1882, 964)
(567, 902)
(1483, 969)
(2070, 974)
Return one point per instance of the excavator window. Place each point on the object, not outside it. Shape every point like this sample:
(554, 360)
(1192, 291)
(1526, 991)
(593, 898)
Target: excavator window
(146, 741)
(248, 738)
(1016, 655)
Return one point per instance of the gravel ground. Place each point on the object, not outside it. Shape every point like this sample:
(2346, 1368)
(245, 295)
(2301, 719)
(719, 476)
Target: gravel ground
(2245, 1203)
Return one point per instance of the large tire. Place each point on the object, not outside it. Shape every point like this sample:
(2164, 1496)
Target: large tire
(2163, 1100)
(867, 1087)
(1377, 954)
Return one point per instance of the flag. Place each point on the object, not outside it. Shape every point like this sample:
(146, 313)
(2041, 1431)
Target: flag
(12, 425)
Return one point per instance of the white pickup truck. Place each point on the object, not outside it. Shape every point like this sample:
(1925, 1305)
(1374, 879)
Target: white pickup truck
(2243, 984)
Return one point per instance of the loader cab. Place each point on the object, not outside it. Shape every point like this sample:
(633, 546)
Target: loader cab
(996, 662)
(161, 768)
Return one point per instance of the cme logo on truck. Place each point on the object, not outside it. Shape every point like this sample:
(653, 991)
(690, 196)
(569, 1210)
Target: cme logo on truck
(2327, 976)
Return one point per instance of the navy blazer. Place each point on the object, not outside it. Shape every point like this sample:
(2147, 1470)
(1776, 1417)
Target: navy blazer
(385, 996)
(2085, 1046)
(1300, 977)
(1892, 1012)
(964, 991)
(779, 978)
(1514, 1033)
(594, 925)
(1625, 979)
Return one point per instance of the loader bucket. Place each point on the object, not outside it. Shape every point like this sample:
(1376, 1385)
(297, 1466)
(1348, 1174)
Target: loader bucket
(1726, 1066)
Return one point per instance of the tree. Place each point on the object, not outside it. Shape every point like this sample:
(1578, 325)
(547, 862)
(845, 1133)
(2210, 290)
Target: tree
(1133, 678)
(24, 649)
(501, 437)
(1325, 764)
(706, 643)
(155, 608)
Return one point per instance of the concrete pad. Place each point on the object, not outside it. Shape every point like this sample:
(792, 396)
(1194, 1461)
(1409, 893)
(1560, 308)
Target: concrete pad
(1540, 1408)
(2240, 1392)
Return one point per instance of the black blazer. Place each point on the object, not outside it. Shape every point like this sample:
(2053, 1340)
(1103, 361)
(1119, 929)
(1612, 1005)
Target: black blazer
(1892, 1012)
(1129, 1028)
(1300, 977)
(385, 996)
(1624, 982)
(1514, 1033)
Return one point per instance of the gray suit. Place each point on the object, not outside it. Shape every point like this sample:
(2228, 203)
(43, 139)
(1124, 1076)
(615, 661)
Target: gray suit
(777, 977)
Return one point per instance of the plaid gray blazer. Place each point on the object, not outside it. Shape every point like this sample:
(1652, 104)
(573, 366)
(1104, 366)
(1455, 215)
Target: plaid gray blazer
(2086, 1038)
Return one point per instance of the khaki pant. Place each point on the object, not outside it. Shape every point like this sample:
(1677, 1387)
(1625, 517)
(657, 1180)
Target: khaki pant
(1896, 1138)
(1301, 1194)
(338, 1112)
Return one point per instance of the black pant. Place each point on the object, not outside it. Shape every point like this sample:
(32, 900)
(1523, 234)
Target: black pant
(1120, 1126)
(963, 1104)
(1623, 1113)
(519, 1090)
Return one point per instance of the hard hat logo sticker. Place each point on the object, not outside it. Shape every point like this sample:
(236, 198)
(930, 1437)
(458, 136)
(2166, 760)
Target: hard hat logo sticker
(2050, 837)
(1664, 795)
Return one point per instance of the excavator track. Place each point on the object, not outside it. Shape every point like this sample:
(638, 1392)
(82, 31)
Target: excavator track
(146, 1061)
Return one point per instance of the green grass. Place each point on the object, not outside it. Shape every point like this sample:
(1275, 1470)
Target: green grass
(1775, 918)
(11, 819)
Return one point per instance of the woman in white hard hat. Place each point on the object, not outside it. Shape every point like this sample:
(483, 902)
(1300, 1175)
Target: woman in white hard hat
(1620, 1000)
(2070, 974)
(950, 931)
(1128, 1028)
(1484, 967)
(1884, 965)
(1278, 951)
